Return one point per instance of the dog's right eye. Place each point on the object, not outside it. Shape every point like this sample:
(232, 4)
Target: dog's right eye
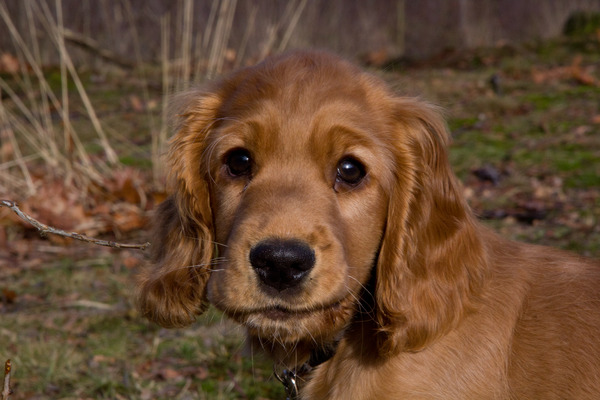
(239, 162)
(350, 171)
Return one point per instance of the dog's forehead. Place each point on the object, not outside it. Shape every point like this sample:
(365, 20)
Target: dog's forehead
(299, 103)
(295, 84)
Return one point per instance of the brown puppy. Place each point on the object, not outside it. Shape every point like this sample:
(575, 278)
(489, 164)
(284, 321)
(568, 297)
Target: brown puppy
(339, 224)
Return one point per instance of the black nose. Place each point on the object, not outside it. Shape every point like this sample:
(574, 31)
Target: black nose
(282, 264)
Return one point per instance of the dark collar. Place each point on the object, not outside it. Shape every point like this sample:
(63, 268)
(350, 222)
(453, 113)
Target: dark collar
(321, 354)
(289, 377)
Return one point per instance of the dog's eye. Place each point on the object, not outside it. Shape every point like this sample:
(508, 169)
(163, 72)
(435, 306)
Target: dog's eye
(350, 171)
(238, 162)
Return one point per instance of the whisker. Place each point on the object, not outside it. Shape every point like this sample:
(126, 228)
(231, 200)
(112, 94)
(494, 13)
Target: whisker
(205, 240)
(364, 288)
(202, 268)
(357, 298)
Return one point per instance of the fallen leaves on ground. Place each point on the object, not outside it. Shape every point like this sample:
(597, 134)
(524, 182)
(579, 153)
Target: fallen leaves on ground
(116, 210)
(575, 71)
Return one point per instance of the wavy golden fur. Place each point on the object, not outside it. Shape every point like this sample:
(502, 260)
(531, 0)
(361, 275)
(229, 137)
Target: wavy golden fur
(313, 206)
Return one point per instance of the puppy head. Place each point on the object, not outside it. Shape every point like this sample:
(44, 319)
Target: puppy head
(306, 173)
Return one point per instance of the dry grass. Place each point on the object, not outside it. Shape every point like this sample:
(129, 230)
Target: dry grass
(31, 112)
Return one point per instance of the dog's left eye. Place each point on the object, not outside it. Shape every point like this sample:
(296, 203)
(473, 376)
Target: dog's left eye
(239, 162)
(350, 171)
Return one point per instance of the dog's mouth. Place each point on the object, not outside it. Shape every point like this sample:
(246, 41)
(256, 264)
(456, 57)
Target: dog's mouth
(279, 313)
(294, 324)
(295, 317)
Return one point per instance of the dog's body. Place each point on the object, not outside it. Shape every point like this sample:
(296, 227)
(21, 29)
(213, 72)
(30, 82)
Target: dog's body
(339, 221)
(530, 336)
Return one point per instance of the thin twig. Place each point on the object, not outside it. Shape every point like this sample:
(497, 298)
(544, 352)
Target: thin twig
(6, 391)
(45, 229)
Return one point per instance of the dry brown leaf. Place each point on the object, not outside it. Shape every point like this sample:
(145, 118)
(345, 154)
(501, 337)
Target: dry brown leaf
(159, 197)
(195, 371)
(574, 71)
(9, 63)
(56, 205)
(553, 74)
(7, 151)
(136, 103)
(9, 218)
(130, 262)
(8, 296)
(584, 78)
(152, 104)
(102, 359)
(129, 192)
(230, 55)
(126, 184)
(127, 218)
(169, 374)
(377, 58)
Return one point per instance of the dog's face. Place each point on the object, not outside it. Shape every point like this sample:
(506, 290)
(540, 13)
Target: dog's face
(297, 171)
(319, 187)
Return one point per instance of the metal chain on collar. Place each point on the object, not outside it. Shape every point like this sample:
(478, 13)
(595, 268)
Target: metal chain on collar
(289, 379)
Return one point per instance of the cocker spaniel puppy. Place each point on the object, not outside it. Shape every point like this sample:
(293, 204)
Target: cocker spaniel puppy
(318, 209)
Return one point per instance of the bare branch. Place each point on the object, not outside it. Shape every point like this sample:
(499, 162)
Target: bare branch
(6, 391)
(45, 229)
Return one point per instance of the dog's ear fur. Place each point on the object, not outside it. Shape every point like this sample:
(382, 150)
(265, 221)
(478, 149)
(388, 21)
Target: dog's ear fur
(171, 292)
(431, 259)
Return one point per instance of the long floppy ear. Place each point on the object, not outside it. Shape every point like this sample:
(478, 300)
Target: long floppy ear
(431, 260)
(171, 292)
